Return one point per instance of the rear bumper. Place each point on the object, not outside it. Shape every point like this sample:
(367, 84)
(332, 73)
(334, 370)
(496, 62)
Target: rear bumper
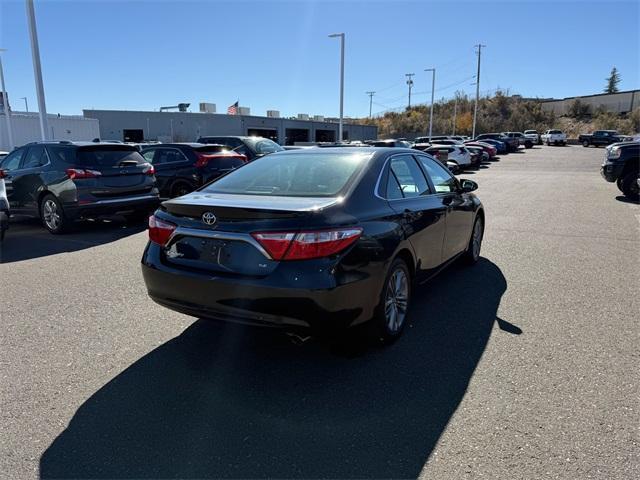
(283, 299)
(113, 206)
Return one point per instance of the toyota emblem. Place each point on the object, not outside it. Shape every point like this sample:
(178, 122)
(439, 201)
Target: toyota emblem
(209, 218)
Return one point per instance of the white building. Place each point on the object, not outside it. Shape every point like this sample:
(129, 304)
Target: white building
(26, 128)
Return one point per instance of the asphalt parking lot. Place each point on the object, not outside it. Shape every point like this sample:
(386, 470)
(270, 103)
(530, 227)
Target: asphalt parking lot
(523, 366)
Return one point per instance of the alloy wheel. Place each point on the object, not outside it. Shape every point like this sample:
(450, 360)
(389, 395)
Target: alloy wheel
(51, 214)
(397, 300)
(476, 241)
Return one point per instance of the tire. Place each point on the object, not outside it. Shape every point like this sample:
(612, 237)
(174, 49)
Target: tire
(528, 145)
(630, 187)
(52, 215)
(548, 143)
(472, 254)
(390, 317)
(585, 143)
(619, 184)
(179, 189)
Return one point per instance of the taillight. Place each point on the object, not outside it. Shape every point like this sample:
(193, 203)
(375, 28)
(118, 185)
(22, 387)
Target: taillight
(149, 169)
(3, 174)
(159, 230)
(307, 245)
(203, 159)
(77, 173)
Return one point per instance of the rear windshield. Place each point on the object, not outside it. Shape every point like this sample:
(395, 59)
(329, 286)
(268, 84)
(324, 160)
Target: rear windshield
(317, 174)
(262, 146)
(555, 131)
(107, 156)
(213, 149)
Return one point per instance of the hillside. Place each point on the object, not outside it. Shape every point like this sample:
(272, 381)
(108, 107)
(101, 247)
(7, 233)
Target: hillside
(496, 113)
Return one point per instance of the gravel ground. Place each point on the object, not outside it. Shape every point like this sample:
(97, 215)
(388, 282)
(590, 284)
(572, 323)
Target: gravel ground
(524, 366)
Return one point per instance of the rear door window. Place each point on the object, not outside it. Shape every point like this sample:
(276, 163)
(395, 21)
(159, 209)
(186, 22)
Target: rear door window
(36, 157)
(168, 155)
(410, 178)
(149, 154)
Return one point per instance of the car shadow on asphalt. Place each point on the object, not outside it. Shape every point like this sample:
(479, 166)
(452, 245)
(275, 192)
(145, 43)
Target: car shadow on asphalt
(27, 238)
(227, 401)
(623, 199)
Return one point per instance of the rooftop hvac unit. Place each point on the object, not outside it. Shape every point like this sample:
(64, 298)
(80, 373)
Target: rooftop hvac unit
(207, 107)
(244, 111)
(273, 113)
(318, 118)
(303, 116)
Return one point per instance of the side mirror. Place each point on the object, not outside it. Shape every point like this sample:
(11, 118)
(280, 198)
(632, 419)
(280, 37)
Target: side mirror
(468, 185)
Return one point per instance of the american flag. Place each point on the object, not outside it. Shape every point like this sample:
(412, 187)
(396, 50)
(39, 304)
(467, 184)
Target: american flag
(233, 109)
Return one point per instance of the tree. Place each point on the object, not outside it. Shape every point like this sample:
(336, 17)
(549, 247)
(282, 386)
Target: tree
(612, 81)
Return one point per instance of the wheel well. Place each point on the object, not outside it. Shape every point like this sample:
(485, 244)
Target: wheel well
(630, 166)
(41, 195)
(405, 255)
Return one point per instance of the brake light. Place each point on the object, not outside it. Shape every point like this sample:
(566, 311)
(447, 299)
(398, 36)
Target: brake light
(159, 230)
(307, 245)
(77, 173)
(149, 169)
(203, 159)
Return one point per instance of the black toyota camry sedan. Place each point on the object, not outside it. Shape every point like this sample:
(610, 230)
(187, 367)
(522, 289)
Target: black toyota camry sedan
(313, 239)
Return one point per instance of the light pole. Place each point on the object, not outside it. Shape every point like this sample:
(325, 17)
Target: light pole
(433, 84)
(37, 69)
(26, 105)
(371, 94)
(410, 83)
(341, 36)
(5, 104)
(475, 108)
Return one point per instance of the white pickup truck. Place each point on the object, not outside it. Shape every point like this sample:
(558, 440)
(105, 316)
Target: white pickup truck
(554, 137)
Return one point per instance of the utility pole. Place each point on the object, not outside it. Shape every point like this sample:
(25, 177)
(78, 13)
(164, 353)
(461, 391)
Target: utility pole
(371, 94)
(433, 85)
(340, 125)
(5, 105)
(475, 108)
(26, 105)
(455, 114)
(37, 69)
(410, 83)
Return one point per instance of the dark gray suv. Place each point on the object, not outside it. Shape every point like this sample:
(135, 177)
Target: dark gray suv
(64, 181)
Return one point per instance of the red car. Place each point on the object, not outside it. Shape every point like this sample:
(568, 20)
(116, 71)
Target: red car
(490, 149)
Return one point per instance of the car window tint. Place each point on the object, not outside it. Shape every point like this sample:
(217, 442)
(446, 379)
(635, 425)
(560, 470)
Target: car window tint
(168, 155)
(393, 188)
(35, 157)
(102, 156)
(61, 153)
(148, 156)
(442, 180)
(321, 174)
(12, 161)
(412, 181)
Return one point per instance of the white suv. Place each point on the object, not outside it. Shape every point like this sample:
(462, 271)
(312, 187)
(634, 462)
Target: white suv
(555, 137)
(455, 153)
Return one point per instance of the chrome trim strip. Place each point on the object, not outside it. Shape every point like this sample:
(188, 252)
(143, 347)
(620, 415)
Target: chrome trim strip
(120, 200)
(212, 234)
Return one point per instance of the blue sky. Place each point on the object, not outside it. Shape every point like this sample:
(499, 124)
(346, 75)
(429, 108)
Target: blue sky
(276, 55)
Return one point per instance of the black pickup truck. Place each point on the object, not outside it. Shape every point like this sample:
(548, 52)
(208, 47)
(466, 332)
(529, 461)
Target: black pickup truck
(621, 165)
(601, 138)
